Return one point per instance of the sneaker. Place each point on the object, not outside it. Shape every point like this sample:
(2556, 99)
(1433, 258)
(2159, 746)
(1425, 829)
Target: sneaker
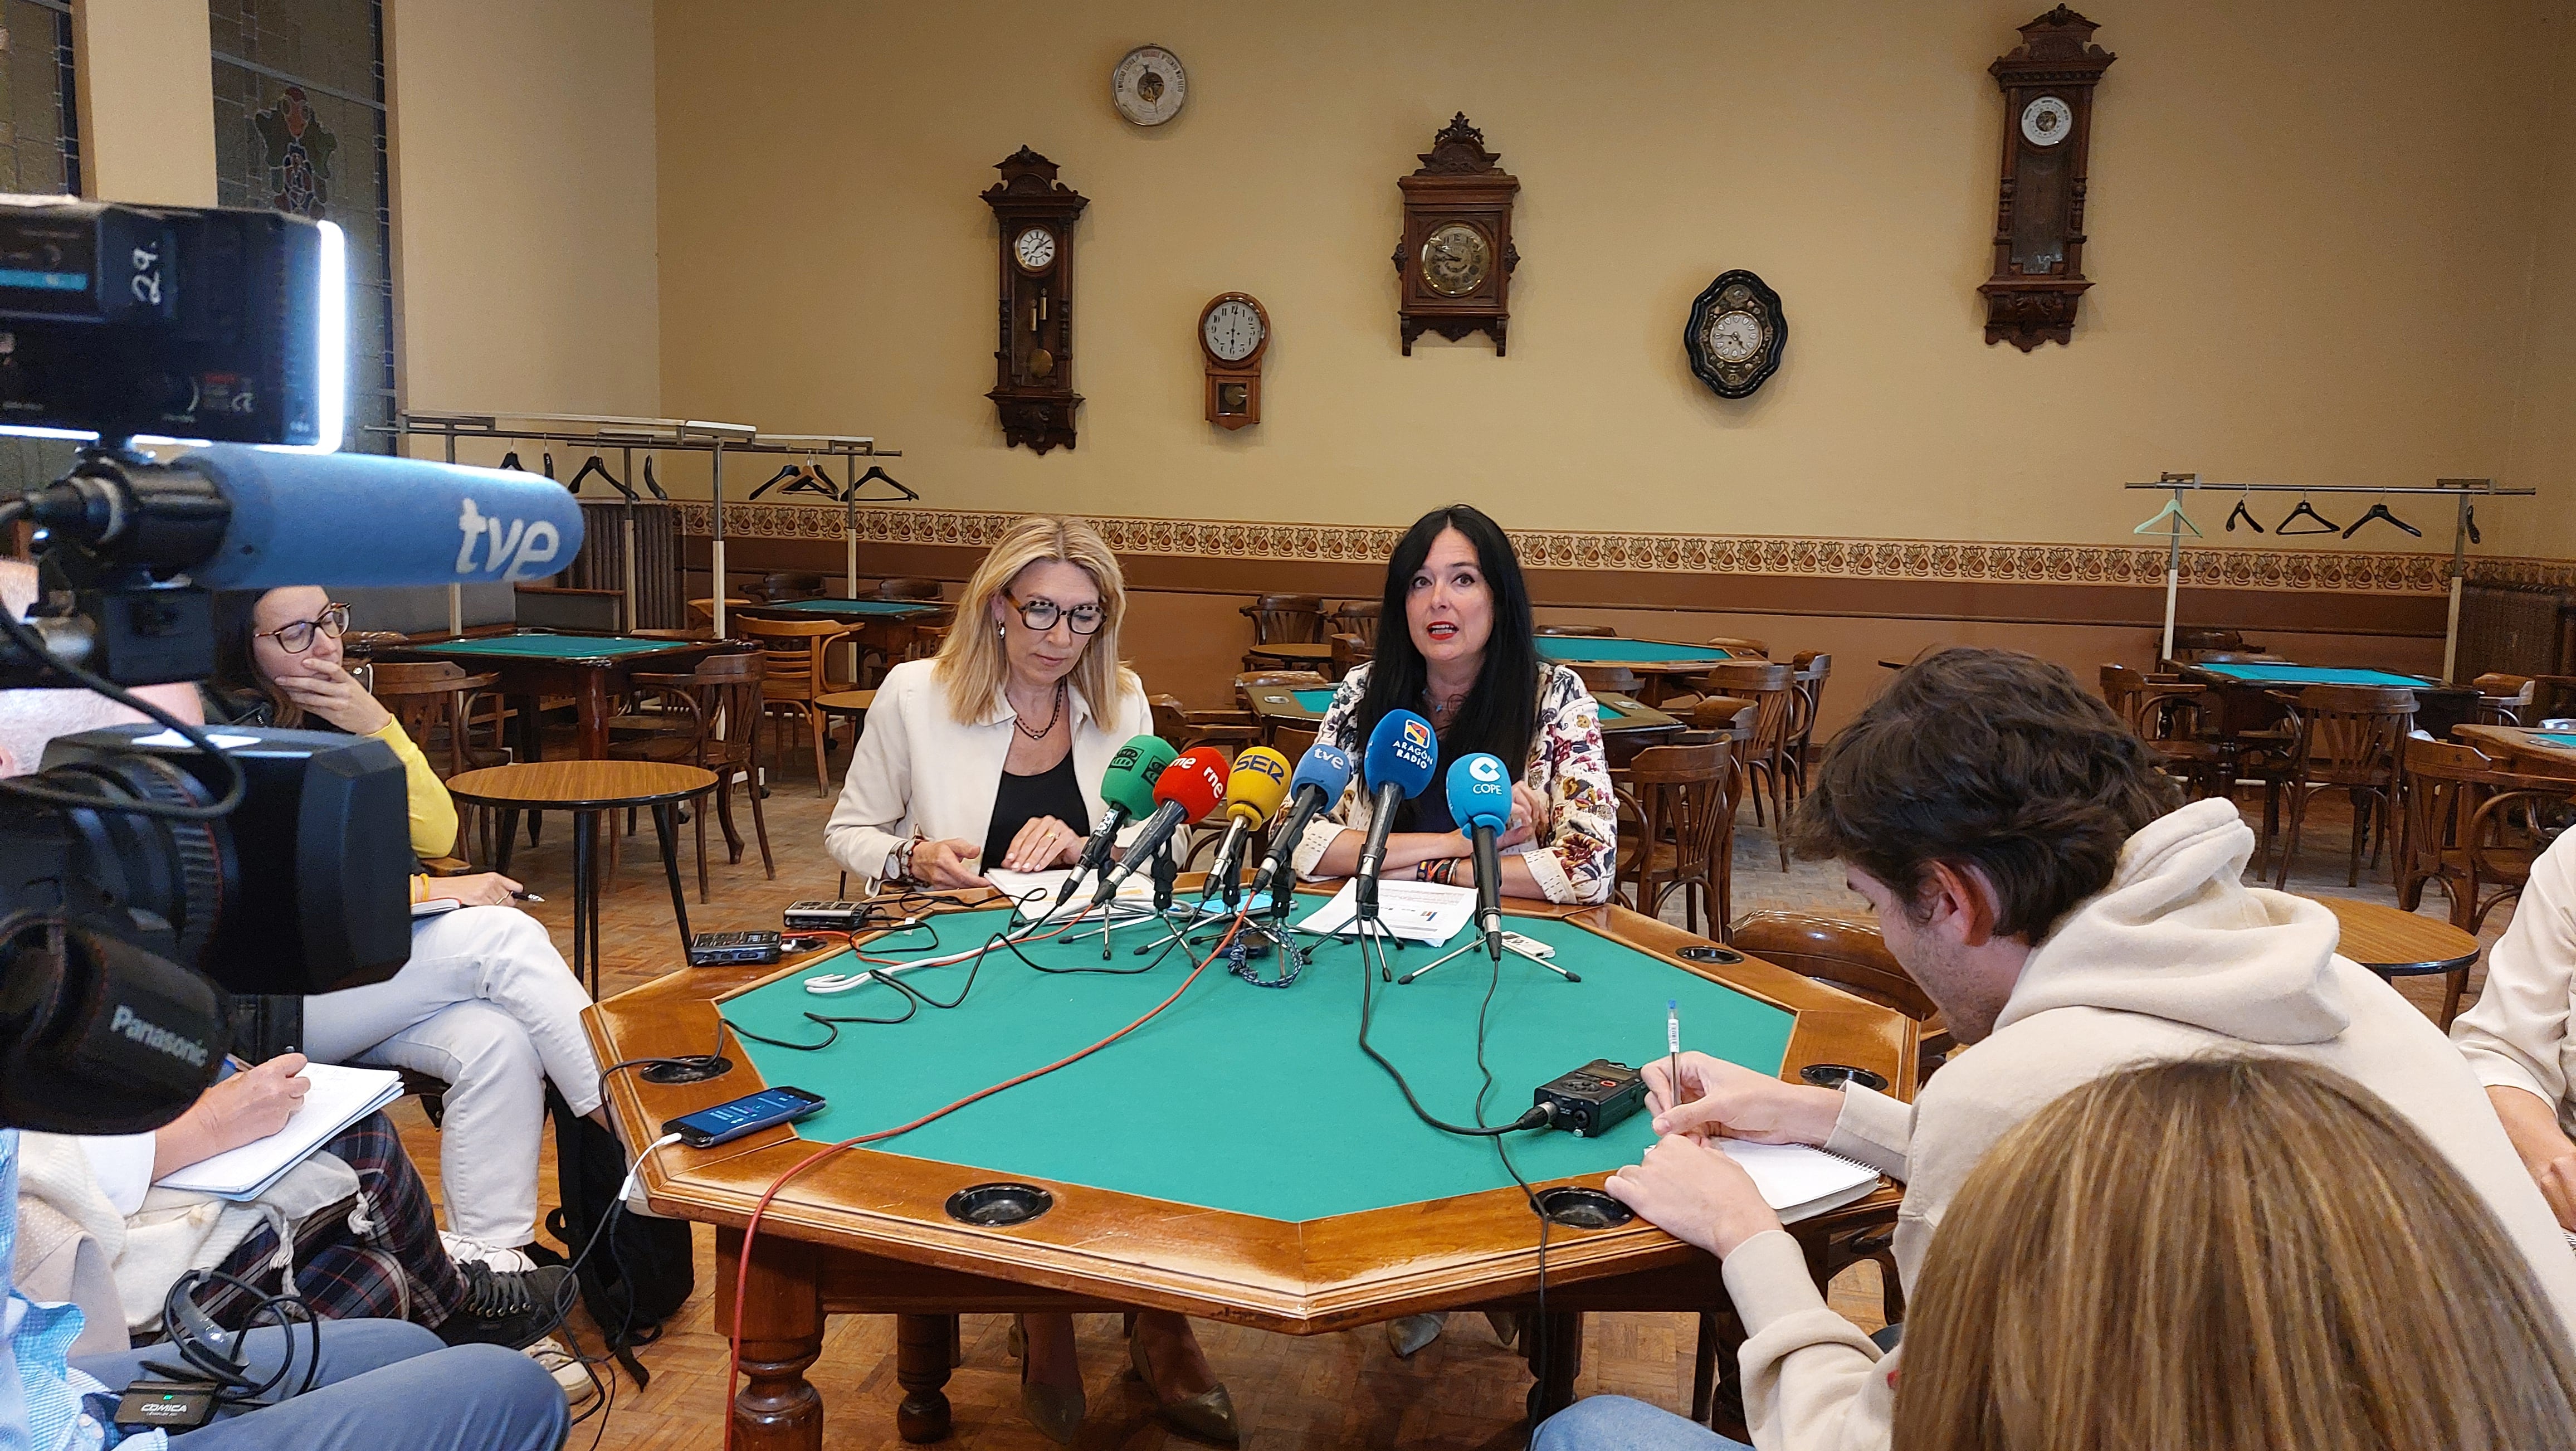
(513, 1309)
(492, 1257)
(580, 1387)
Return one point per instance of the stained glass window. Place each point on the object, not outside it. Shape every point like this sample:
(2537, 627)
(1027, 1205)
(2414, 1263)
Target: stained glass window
(300, 126)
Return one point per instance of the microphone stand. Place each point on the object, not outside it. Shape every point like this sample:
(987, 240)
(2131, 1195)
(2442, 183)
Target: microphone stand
(1478, 941)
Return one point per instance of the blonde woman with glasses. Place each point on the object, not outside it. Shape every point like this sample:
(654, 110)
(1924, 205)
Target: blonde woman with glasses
(990, 755)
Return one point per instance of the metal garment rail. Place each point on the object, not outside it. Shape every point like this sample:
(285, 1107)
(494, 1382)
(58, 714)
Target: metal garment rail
(679, 435)
(2466, 491)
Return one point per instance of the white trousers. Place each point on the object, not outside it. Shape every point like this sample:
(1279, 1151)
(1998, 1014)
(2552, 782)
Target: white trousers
(487, 1004)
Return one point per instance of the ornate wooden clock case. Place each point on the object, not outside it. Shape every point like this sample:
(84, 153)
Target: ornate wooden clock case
(2039, 213)
(1033, 367)
(1457, 257)
(1234, 331)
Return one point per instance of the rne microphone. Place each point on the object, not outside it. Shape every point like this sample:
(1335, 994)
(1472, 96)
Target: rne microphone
(1126, 793)
(1480, 801)
(1188, 789)
(1253, 791)
(1323, 773)
(1402, 753)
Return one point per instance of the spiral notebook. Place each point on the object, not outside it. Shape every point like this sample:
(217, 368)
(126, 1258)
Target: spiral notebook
(337, 1098)
(1800, 1182)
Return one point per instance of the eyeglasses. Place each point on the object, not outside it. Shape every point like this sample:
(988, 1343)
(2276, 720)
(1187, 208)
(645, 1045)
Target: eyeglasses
(1042, 615)
(297, 638)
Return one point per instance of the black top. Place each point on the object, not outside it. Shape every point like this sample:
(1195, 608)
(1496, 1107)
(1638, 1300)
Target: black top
(1049, 793)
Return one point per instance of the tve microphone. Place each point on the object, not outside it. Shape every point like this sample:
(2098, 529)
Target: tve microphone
(1480, 801)
(1402, 753)
(231, 516)
(1258, 783)
(1126, 793)
(1189, 789)
(1322, 775)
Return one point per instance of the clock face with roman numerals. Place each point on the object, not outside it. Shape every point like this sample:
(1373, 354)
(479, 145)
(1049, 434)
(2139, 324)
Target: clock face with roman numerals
(1034, 249)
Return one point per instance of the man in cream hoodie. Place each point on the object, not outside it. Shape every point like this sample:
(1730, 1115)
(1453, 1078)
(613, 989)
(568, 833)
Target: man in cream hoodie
(2031, 871)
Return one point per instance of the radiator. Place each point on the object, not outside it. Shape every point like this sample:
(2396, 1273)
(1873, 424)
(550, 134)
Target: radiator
(2515, 630)
(659, 603)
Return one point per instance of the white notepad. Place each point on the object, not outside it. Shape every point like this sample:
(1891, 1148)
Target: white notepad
(1800, 1182)
(1030, 891)
(1429, 912)
(338, 1098)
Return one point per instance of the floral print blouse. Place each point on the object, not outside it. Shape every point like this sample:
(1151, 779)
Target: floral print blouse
(1574, 856)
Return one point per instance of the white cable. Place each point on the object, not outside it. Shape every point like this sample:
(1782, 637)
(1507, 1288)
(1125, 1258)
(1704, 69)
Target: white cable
(636, 1170)
(831, 983)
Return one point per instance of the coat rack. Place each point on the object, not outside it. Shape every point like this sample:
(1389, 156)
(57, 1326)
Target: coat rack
(678, 435)
(2465, 491)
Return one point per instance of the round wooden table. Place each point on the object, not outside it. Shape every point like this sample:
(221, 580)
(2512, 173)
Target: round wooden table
(852, 703)
(2538, 752)
(586, 789)
(2398, 944)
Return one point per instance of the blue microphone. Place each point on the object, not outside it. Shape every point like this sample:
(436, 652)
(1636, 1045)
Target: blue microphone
(1480, 801)
(1402, 753)
(1322, 775)
(231, 516)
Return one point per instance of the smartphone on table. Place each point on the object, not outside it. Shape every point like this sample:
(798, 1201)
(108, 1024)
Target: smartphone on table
(750, 1114)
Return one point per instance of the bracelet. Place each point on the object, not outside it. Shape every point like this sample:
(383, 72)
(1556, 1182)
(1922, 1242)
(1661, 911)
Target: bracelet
(901, 859)
(1422, 871)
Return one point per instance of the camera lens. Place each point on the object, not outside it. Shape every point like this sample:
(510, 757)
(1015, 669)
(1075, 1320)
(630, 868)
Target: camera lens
(158, 883)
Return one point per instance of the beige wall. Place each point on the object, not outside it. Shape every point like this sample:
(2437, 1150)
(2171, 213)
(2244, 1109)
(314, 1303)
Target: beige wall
(523, 165)
(2544, 399)
(147, 113)
(2311, 228)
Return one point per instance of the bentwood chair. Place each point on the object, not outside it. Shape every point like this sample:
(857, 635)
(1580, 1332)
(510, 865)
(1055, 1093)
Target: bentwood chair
(908, 587)
(709, 718)
(1349, 653)
(1740, 647)
(1286, 619)
(1773, 690)
(1353, 617)
(1609, 679)
(795, 674)
(2165, 714)
(435, 703)
(1813, 668)
(2469, 826)
(1184, 728)
(1683, 802)
(2345, 737)
(2505, 699)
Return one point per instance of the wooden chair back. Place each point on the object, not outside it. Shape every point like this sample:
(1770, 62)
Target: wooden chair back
(2203, 638)
(2350, 734)
(780, 585)
(1349, 651)
(434, 702)
(2441, 779)
(1592, 632)
(908, 587)
(1286, 619)
(1731, 714)
(1292, 741)
(1608, 679)
(1772, 688)
(2156, 710)
(1850, 955)
(1740, 647)
(703, 612)
(1810, 669)
(1353, 617)
(1684, 799)
(721, 699)
(793, 654)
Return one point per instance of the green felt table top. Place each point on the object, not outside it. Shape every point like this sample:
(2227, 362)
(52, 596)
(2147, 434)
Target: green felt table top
(2555, 739)
(1237, 1097)
(551, 647)
(1318, 701)
(851, 607)
(2256, 674)
(1608, 650)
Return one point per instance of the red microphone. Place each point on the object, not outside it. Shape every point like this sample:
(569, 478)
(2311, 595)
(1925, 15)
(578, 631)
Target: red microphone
(1188, 789)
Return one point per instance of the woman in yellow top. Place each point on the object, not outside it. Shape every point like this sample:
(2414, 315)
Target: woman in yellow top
(486, 1003)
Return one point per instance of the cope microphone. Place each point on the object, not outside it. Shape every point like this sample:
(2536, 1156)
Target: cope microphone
(1126, 793)
(1402, 753)
(1322, 775)
(1187, 790)
(1480, 801)
(231, 516)
(1253, 791)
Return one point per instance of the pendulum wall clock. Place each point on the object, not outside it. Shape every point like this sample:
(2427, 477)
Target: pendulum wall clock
(1234, 331)
(1033, 366)
(1455, 263)
(2048, 85)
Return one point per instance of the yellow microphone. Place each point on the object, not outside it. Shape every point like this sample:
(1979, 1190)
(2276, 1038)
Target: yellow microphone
(1258, 783)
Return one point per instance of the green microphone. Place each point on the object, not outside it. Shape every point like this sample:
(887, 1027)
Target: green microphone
(1127, 793)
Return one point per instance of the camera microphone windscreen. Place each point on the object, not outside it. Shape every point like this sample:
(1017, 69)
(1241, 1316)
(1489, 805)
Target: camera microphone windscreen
(1402, 752)
(294, 515)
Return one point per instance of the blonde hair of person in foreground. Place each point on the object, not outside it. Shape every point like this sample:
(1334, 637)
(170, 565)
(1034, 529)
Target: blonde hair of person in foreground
(2227, 1254)
(971, 663)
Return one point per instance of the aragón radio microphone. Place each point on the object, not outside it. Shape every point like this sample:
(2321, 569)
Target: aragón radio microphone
(1322, 775)
(1188, 789)
(1253, 791)
(1126, 793)
(1402, 753)
(1480, 801)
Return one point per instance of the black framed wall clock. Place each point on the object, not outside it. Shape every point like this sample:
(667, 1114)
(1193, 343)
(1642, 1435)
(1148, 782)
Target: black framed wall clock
(1735, 334)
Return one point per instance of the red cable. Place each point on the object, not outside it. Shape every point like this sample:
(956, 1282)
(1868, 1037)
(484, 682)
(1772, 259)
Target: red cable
(742, 1268)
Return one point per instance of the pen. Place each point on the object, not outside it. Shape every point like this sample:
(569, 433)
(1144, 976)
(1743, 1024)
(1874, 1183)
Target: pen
(1673, 1052)
(527, 896)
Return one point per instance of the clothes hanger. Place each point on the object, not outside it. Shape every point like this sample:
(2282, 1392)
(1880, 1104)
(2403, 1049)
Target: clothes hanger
(812, 480)
(651, 485)
(550, 463)
(2241, 512)
(597, 465)
(2172, 510)
(876, 474)
(785, 472)
(2474, 536)
(2324, 524)
(511, 462)
(2380, 511)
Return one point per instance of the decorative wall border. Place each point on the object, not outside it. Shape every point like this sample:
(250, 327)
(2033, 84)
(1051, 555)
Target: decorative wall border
(1909, 559)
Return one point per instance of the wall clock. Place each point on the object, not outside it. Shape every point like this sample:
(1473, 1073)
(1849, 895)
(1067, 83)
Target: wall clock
(1454, 264)
(1234, 331)
(1148, 85)
(1735, 334)
(2048, 85)
(1033, 366)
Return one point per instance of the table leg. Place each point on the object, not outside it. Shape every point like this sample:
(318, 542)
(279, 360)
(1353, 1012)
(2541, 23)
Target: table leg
(1554, 1345)
(509, 839)
(594, 715)
(585, 945)
(921, 1359)
(776, 1409)
(666, 826)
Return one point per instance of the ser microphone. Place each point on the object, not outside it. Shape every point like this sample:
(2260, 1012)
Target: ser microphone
(1253, 791)
(1480, 801)
(1188, 789)
(1126, 792)
(1402, 753)
(1323, 773)
(231, 516)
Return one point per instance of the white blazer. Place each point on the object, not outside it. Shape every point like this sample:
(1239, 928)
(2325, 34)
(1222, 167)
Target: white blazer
(919, 771)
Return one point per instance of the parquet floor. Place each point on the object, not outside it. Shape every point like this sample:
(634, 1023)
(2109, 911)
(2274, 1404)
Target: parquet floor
(1343, 1390)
